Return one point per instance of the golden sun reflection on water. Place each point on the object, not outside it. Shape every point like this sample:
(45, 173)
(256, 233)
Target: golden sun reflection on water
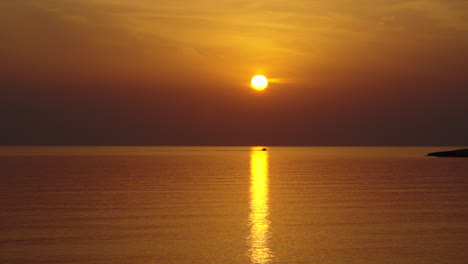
(260, 252)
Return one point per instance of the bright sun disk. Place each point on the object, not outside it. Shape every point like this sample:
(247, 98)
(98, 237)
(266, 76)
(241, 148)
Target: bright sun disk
(259, 82)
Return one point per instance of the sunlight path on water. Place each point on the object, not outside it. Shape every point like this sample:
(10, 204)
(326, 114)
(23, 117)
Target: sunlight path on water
(259, 209)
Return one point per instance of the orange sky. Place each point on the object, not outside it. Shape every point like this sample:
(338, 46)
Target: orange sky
(357, 62)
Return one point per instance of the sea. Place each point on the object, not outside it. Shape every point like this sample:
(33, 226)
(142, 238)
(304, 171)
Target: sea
(237, 205)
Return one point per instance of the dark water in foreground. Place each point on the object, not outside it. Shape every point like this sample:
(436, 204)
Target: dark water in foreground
(232, 205)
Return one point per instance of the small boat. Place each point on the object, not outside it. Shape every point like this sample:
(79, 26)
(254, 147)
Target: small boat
(459, 153)
(264, 149)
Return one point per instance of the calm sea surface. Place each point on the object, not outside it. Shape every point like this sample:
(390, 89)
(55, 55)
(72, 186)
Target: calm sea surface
(232, 205)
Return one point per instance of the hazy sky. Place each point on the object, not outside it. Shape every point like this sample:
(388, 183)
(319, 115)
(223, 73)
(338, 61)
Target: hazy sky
(176, 72)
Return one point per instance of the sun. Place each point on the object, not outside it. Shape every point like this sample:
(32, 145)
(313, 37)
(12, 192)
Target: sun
(259, 82)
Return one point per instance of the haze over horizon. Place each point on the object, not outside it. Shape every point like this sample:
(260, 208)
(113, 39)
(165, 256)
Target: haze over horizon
(121, 72)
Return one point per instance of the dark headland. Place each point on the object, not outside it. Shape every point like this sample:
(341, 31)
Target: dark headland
(459, 153)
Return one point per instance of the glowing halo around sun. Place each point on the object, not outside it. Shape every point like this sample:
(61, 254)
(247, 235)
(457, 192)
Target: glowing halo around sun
(259, 82)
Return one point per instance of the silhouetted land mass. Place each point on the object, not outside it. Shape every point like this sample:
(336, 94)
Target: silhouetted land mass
(453, 153)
